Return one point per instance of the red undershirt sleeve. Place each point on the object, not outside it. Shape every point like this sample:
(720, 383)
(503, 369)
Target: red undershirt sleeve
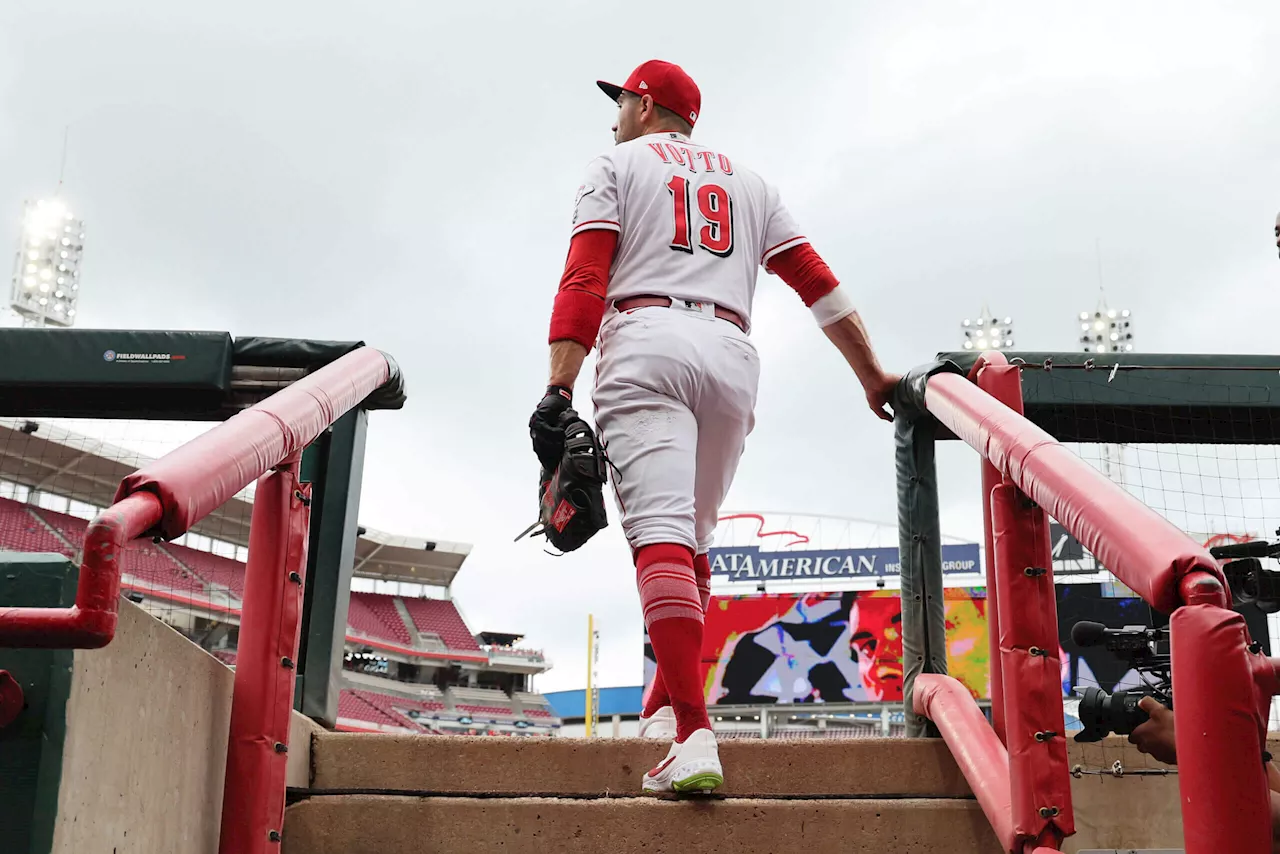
(580, 301)
(804, 270)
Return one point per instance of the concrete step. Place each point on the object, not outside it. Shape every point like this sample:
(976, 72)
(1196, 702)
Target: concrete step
(397, 824)
(357, 763)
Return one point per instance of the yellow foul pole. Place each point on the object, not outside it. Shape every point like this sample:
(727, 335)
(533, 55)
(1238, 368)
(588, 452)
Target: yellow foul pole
(589, 712)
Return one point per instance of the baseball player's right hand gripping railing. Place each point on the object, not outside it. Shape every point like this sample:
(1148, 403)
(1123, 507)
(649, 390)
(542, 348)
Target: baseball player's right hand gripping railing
(1018, 766)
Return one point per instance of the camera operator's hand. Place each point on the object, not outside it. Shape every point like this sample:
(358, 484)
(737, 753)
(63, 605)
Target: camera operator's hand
(1155, 737)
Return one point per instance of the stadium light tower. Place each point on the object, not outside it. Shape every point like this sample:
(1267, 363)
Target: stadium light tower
(46, 270)
(1105, 330)
(987, 332)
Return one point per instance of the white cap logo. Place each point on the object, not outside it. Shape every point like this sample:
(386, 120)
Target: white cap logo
(644, 85)
(693, 116)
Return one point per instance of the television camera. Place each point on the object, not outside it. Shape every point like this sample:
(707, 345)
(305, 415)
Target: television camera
(1146, 649)
(1249, 580)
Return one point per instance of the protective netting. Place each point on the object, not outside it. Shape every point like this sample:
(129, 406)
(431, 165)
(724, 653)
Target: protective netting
(1221, 488)
(56, 475)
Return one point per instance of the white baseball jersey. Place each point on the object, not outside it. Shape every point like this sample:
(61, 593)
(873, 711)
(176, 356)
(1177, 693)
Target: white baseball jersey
(693, 225)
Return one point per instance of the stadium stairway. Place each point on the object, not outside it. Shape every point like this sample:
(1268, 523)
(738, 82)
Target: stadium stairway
(386, 794)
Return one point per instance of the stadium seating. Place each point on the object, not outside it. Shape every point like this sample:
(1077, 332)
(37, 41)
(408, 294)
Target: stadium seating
(355, 707)
(388, 710)
(486, 710)
(20, 531)
(213, 568)
(535, 708)
(142, 560)
(375, 615)
(486, 702)
(152, 566)
(440, 617)
(432, 700)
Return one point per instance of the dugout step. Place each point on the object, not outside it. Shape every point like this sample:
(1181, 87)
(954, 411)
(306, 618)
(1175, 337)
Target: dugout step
(346, 762)
(397, 824)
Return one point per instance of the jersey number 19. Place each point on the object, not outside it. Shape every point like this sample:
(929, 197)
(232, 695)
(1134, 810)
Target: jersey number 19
(716, 209)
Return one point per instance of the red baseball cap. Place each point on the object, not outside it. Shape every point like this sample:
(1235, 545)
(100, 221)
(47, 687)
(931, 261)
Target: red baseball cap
(666, 83)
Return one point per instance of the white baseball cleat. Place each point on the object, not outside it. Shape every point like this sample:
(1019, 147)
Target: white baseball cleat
(662, 725)
(690, 768)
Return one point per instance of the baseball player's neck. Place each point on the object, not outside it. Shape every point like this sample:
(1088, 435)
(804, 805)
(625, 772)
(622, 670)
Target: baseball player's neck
(664, 130)
(675, 130)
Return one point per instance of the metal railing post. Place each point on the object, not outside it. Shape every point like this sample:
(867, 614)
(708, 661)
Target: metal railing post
(924, 636)
(262, 700)
(1221, 776)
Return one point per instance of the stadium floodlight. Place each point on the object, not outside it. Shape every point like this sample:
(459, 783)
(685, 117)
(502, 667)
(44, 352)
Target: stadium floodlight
(46, 272)
(1105, 330)
(987, 332)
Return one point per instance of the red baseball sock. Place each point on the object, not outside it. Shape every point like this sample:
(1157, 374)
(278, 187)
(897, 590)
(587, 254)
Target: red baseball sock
(658, 696)
(673, 615)
(702, 575)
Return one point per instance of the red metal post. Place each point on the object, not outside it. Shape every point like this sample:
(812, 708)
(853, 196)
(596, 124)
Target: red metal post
(91, 622)
(1039, 774)
(253, 797)
(973, 743)
(991, 478)
(1220, 727)
(1025, 635)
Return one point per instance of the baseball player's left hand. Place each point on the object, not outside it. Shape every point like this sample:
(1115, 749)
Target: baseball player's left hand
(880, 393)
(545, 428)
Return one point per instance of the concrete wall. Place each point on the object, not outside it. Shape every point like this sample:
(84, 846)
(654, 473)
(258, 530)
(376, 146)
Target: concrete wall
(1131, 811)
(146, 748)
(1134, 811)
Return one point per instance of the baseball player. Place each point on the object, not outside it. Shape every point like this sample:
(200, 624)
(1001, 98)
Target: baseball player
(667, 239)
(1278, 232)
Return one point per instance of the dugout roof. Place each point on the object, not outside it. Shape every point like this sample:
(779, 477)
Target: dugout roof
(1148, 397)
(152, 374)
(175, 376)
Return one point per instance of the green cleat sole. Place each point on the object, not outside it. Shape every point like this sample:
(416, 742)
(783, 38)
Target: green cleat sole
(704, 783)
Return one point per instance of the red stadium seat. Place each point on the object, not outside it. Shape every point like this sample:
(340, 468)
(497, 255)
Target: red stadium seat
(142, 559)
(213, 568)
(375, 615)
(440, 617)
(486, 710)
(20, 531)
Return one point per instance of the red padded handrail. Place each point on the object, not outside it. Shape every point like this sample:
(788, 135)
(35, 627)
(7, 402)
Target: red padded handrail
(168, 496)
(973, 743)
(91, 622)
(1138, 545)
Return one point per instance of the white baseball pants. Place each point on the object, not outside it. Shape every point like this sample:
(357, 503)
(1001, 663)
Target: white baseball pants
(675, 399)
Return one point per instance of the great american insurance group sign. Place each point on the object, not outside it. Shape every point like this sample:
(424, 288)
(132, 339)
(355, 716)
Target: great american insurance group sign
(748, 563)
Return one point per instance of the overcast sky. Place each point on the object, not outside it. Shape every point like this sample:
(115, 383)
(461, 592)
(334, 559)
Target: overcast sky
(403, 173)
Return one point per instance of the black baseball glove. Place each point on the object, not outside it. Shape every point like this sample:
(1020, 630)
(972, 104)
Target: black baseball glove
(571, 494)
